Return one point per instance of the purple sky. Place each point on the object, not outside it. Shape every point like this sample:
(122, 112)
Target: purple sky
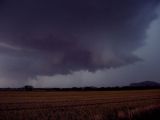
(62, 43)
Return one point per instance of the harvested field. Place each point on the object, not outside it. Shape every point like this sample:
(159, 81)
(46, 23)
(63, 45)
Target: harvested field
(80, 105)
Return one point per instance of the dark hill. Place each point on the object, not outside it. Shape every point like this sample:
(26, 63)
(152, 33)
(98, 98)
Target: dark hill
(145, 84)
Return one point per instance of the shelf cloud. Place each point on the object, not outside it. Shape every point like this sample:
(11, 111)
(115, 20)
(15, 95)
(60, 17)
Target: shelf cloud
(45, 38)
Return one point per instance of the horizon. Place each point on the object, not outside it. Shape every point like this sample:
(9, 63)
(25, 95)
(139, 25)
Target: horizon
(92, 87)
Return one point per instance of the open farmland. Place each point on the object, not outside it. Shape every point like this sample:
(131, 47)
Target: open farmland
(80, 105)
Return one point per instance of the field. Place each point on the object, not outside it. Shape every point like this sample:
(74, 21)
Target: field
(80, 105)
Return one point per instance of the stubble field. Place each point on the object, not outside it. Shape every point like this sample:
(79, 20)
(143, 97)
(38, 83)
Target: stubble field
(80, 105)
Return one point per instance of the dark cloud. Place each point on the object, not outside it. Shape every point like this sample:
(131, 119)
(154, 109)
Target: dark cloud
(39, 37)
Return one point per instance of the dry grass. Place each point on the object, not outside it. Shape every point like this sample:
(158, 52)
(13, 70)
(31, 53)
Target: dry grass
(94, 105)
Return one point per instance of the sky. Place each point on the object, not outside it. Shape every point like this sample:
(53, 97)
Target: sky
(61, 43)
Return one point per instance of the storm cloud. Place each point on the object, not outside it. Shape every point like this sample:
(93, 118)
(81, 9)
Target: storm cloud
(46, 37)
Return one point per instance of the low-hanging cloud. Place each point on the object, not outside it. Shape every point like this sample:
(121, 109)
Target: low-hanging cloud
(39, 37)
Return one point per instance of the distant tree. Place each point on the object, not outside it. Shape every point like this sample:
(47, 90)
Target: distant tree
(28, 88)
